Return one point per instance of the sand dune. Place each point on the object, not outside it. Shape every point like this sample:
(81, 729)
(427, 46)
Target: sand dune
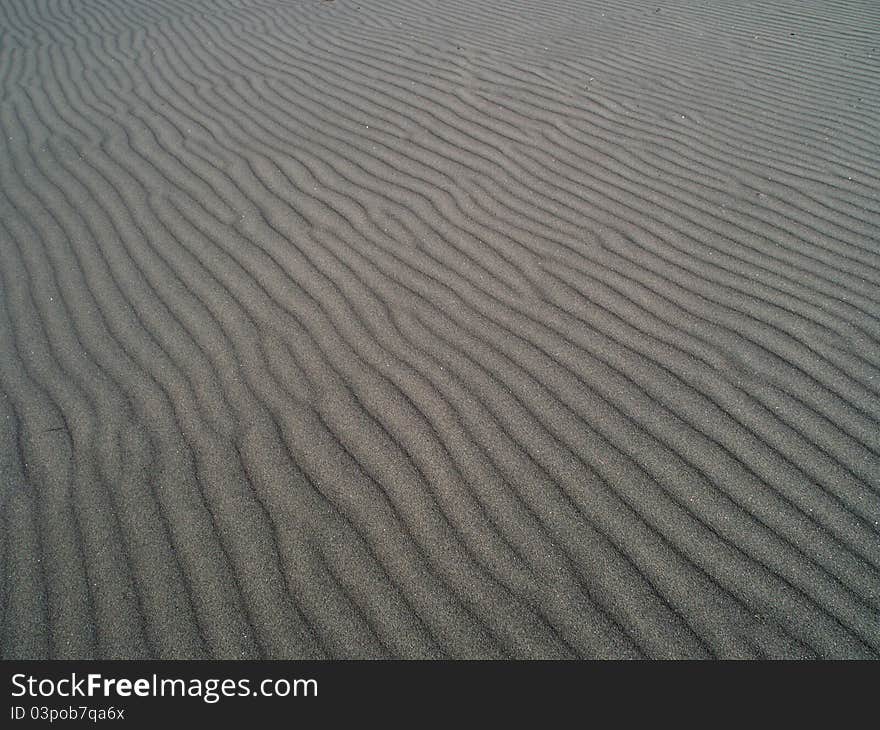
(414, 329)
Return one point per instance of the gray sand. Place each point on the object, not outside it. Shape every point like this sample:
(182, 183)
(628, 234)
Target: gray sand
(415, 329)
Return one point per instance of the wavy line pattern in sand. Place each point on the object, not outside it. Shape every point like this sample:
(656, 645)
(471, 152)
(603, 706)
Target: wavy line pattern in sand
(388, 329)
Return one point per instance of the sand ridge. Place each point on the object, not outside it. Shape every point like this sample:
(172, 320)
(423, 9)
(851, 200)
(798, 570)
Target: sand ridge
(370, 329)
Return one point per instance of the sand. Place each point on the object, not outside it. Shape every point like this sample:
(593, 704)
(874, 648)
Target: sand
(414, 329)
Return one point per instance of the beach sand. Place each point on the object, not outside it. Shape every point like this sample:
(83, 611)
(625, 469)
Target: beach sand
(414, 329)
